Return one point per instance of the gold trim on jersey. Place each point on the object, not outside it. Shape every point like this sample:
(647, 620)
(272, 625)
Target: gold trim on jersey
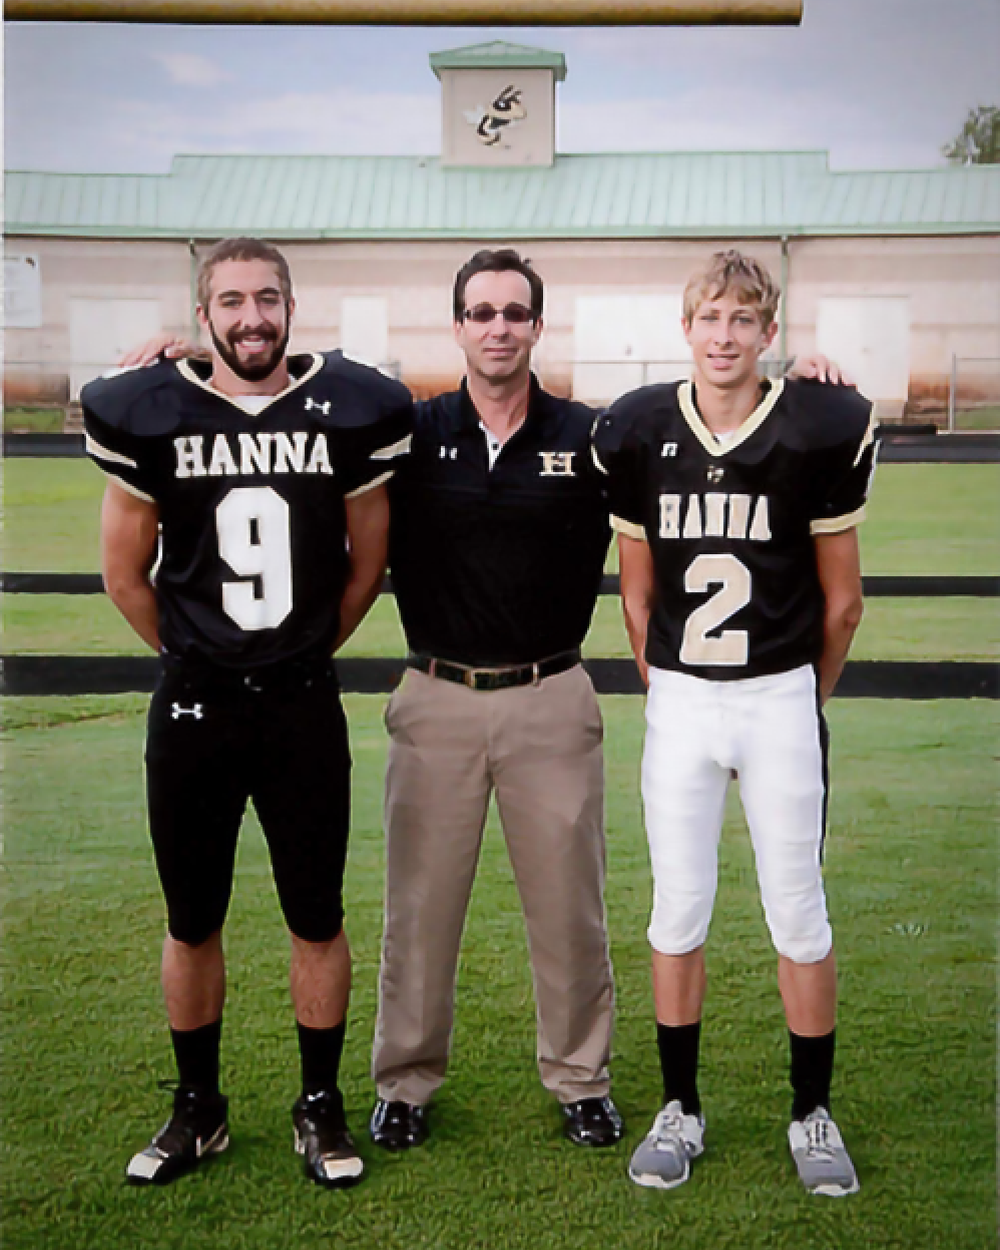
(367, 486)
(186, 372)
(628, 528)
(837, 524)
(128, 487)
(100, 453)
(869, 437)
(396, 449)
(105, 453)
(714, 445)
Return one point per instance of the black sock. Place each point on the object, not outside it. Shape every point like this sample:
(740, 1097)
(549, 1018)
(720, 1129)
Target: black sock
(812, 1072)
(197, 1055)
(679, 1064)
(320, 1050)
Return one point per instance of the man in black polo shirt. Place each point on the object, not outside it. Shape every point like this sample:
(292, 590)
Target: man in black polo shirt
(499, 536)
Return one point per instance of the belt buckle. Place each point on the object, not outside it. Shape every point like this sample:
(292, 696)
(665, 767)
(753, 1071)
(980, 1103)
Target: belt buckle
(471, 676)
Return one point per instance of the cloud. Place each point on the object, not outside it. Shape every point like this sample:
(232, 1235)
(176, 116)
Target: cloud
(189, 69)
(714, 119)
(874, 82)
(339, 122)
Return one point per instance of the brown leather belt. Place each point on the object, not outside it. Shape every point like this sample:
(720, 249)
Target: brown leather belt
(494, 678)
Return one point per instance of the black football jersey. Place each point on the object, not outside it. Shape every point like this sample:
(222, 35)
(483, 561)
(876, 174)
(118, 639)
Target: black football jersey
(253, 558)
(731, 523)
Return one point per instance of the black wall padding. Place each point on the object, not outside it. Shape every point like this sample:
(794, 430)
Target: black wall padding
(870, 679)
(875, 587)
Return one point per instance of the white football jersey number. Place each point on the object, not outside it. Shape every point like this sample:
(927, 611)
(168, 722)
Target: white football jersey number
(253, 523)
(733, 579)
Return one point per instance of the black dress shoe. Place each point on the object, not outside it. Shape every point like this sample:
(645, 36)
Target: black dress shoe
(398, 1125)
(593, 1122)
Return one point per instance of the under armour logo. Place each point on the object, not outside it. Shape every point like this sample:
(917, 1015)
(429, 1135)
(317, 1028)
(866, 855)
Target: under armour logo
(557, 463)
(669, 449)
(324, 407)
(714, 474)
(448, 453)
(196, 710)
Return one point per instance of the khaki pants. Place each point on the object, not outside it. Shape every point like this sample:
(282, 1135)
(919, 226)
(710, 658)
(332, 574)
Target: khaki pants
(539, 748)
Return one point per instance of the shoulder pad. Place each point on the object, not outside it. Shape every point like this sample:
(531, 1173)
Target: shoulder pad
(645, 399)
(635, 410)
(361, 395)
(140, 401)
(836, 413)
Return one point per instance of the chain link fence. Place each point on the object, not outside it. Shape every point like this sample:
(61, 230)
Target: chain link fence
(974, 393)
(41, 397)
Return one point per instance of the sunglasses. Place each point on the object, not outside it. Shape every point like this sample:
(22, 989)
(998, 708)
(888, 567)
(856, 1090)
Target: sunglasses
(513, 314)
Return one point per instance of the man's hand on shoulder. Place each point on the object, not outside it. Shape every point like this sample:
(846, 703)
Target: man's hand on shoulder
(170, 346)
(819, 368)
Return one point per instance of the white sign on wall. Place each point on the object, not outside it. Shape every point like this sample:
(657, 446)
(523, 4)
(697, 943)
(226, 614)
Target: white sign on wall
(101, 331)
(22, 290)
(364, 329)
(625, 341)
(870, 336)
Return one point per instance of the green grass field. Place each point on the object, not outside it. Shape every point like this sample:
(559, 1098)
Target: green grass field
(911, 874)
(984, 417)
(923, 519)
(33, 420)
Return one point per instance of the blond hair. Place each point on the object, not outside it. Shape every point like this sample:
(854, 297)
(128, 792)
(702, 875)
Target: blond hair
(732, 273)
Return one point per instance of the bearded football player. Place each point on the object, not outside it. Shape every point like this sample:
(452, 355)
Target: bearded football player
(243, 533)
(736, 500)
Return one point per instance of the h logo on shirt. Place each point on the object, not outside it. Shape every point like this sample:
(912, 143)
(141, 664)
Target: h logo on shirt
(557, 463)
(324, 407)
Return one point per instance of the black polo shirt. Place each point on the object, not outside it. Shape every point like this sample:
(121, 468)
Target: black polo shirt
(498, 566)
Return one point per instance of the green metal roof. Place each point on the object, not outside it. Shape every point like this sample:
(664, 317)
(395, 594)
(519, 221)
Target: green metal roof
(651, 195)
(499, 55)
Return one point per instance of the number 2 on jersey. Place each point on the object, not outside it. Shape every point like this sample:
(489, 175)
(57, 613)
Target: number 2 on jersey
(253, 524)
(733, 578)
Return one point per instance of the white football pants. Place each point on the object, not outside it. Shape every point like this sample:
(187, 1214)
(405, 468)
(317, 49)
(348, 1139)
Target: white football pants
(767, 730)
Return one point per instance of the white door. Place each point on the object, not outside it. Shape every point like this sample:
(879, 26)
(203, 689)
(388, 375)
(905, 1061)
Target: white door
(625, 341)
(870, 336)
(102, 330)
(364, 329)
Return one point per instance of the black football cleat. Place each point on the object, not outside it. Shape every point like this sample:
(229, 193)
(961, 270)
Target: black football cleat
(329, 1154)
(593, 1122)
(197, 1130)
(398, 1125)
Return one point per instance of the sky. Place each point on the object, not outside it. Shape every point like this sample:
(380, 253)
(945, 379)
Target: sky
(876, 83)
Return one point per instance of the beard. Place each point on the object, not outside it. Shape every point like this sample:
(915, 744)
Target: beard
(258, 369)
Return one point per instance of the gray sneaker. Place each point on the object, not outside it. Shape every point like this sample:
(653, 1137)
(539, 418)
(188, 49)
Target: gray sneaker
(663, 1158)
(821, 1157)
